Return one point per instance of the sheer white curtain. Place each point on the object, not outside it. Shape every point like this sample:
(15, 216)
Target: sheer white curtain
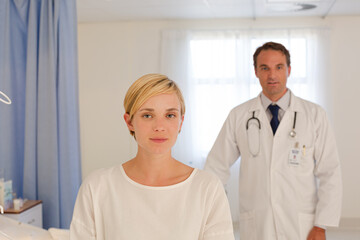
(176, 64)
(215, 72)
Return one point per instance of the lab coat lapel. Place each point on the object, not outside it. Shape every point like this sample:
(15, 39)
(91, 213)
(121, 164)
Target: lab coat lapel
(295, 105)
(286, 123)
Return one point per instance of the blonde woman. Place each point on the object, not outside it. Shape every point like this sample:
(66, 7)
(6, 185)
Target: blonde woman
(152, 196)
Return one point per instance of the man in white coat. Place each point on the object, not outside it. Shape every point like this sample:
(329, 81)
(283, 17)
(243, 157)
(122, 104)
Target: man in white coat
(290, 181)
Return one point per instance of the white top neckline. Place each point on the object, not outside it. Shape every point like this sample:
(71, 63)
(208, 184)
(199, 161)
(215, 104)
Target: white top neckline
(127, 178)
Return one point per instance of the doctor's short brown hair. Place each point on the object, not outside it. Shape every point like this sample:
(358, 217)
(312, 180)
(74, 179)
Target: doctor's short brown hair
(148, 86)
(272, 46)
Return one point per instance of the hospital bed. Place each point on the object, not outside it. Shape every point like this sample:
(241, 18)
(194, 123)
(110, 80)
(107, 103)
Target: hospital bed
(11, 229)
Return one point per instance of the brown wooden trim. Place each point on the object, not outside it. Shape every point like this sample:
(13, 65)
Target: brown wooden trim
(28, 204)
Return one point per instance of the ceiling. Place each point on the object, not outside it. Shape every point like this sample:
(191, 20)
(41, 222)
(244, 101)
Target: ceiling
(117, 10)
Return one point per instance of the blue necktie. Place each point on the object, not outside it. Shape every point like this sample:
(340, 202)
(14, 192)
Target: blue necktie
(274, 109)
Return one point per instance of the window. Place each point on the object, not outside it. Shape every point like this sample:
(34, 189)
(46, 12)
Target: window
(223, 77)
(297, 81)
(215, 71)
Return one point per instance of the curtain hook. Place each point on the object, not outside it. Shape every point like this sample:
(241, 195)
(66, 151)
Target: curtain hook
(7, 99)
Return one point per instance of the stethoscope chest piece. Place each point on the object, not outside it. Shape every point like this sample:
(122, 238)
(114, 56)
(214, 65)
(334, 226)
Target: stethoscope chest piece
(293, 133)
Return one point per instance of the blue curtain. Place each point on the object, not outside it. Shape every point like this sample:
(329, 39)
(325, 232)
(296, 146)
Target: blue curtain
(39, 131)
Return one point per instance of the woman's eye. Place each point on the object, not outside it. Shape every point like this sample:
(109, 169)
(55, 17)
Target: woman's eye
(171, 115)
(147, 116)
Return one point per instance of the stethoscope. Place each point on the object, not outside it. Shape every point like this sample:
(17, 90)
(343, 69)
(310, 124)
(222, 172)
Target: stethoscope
(292, 132)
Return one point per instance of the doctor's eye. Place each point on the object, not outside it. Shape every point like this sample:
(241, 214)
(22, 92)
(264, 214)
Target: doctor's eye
(171, 115)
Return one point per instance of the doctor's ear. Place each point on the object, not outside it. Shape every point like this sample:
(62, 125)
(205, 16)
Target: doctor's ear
(289, 70)
(255, 71)
(128, 122)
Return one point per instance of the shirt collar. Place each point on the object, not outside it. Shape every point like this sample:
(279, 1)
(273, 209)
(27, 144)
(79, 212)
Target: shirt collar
(283, 102)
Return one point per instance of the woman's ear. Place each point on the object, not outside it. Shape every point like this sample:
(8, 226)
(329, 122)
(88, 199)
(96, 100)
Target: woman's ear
(128, 122)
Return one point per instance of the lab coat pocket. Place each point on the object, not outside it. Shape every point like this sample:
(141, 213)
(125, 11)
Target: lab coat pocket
(307, 163)
(306, 223)
(247, 226)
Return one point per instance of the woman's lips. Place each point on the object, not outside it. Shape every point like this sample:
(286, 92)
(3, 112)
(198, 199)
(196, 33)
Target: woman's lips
(158, 140)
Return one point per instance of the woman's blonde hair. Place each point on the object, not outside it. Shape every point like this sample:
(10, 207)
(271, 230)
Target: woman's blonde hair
(146, 87)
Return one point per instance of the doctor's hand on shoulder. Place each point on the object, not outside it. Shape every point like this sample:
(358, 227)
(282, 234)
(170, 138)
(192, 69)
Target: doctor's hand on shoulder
(317, 233)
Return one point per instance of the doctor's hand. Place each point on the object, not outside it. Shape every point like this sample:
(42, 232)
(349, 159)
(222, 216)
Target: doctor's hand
(316, 233)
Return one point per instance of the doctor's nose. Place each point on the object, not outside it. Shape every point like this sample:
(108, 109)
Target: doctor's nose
(271, 74)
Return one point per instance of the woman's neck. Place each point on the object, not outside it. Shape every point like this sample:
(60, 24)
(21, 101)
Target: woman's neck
(156, 170)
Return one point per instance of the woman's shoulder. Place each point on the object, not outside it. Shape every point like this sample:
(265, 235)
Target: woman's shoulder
(207, 185)
(206, 177)
(102, 175)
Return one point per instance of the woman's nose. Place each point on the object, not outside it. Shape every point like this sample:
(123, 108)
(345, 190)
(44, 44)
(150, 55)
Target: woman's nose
(159, 125)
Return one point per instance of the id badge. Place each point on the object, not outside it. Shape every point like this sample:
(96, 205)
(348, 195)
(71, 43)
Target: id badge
(294, 157)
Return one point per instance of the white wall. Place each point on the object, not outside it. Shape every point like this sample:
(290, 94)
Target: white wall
(345, 84)
(113, 55)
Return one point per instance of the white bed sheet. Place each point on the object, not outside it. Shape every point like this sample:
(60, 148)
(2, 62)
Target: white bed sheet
(11, 229)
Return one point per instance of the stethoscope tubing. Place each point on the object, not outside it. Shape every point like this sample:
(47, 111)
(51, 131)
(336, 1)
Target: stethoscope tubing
(292, 133)
(255, 118)
(294, 124)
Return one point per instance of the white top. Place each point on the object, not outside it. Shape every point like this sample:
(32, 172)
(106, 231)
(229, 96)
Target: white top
(110, 205)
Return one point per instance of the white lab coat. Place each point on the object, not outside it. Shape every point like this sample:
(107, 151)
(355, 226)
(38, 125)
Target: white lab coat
(279, 200)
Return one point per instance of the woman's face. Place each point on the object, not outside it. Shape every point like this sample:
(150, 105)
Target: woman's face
(157, 123)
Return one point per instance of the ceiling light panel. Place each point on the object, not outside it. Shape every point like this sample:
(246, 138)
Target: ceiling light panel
(294, 1)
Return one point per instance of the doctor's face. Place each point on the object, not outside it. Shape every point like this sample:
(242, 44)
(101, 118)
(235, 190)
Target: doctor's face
(272, 72)
(157, 124)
